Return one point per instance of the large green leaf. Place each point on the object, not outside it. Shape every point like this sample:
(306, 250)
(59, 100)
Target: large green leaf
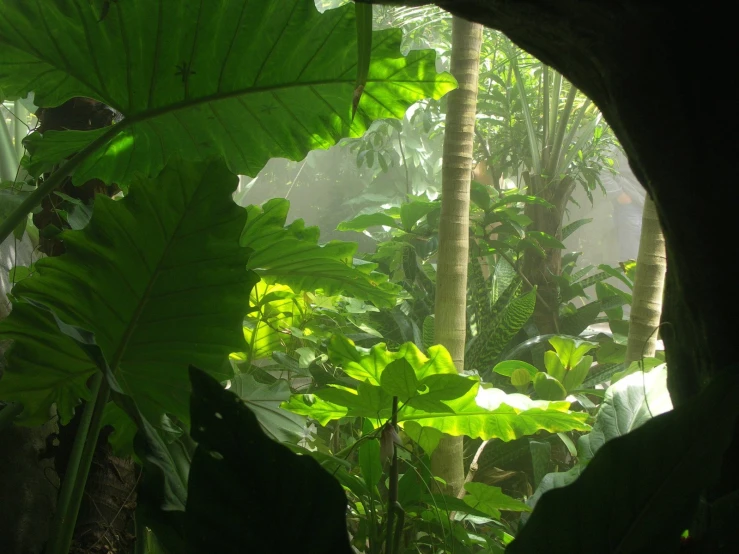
(158, 277)
(237, 79)
(291, 255)
(490, 500)
(264, 401)
(641, 490)
(445, 405)
(491, 413)
(266, 329)
(365, 221)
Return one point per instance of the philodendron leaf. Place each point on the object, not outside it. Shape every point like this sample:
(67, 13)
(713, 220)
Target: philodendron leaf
(412, 212)
(368, 366)
(235, 461)
(446, 401)
(508, 367)
(570, 351)
(365, 221)
(491, 413)
(554, 365)
(575, 376)
(490, 500)
(176, 71)
(644, 506)
(399, 379)
(370, 463)
(520, 378)
(290, 255)
(158, 277)
(548, 387)
(264, 401)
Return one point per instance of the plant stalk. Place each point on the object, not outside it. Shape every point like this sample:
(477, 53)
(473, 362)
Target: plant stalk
(73, 486)
(392, 495)
(560, 134)
(8, 158)
(34, 199)
(473, 468)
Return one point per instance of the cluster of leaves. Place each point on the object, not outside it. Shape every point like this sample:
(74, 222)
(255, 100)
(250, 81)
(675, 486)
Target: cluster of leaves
(566, 368)
(433, 399)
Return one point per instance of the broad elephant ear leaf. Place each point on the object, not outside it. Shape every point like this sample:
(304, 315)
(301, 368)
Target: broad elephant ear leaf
(158, 277)
(291, 255)
(176, 71)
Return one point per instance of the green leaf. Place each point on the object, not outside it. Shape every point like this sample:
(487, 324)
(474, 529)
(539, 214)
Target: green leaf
(341, 351)
(438, 390)
(530, 128)
(613, 272)
(610, 352)
(412, 212)
(541, 454)
(426, 437)
(520, 378)
(399, 379)
(575, 376)
(554, 365)
(231, 445)
(503, 276)
(479, 195)
(364, 222)
(646, 364)
(491, 413)
(370, 463)
(567, 230)
(571, 351)
(490, 500)
(363, 13)
(523, 198)
(509, 321)
(176, 73)
(548, 387)
(627, 405)
(428, 331)
(680, 454)
(291, 256)
(158, 277)
(310, 405)
(507, 368)
(545, 240)
(264, 401)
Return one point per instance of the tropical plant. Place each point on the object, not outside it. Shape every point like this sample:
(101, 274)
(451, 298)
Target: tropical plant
(160, 278)
(567, 366)
(426, 397)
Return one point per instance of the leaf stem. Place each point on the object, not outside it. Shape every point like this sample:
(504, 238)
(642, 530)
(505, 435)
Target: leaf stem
(73, 486)
(392, 495)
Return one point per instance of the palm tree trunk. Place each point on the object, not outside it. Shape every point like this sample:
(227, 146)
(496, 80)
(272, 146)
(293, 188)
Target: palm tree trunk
(451, 286)
(649, 283)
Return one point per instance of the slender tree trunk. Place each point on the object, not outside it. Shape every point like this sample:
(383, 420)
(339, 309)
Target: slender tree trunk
(451, 286)
(649, 284)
